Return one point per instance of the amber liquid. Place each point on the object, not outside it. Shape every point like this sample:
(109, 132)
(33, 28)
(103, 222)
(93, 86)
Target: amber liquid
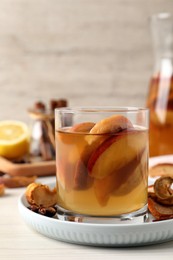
(160, 103)
(102, 175)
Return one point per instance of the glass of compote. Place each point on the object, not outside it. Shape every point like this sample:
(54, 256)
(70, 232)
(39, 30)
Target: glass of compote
(102, 164)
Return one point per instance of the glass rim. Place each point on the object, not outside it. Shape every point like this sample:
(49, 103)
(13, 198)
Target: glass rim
(102, 109)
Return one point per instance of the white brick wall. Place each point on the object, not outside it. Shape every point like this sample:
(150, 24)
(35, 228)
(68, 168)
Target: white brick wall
(92, 52)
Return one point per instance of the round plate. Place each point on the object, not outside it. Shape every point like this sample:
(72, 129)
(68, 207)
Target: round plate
(112, 235)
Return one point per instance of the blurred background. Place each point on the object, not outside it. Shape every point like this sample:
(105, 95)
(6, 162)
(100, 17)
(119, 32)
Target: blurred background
(91, 52)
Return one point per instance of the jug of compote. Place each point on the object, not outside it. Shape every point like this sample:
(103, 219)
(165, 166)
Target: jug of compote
(160, 95)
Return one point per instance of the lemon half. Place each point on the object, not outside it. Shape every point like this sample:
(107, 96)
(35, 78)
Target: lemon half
(14, 139)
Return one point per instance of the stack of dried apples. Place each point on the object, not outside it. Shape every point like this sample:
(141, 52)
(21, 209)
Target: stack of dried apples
(160, 195)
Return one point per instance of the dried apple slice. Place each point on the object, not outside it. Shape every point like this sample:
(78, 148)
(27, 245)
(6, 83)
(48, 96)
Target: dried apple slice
(41, 195)
(116, 152)
(82, 180)
(120, 182)
(163, 190)
(65, 174)
(112, 124)
(81, 176)
(97, 136)
(109, 125)
(136, 175)
(160, 212)
(71, 143)
(72, 173)
(104, 187)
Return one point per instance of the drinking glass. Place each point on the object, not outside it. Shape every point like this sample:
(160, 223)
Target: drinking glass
(102, 164)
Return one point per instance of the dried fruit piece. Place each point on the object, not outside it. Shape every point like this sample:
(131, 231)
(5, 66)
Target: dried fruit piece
(81, 175)
(120, 182)
(151, 193)
(163, 190)
(2, 189)
(112, 124)
(81, 178)
(136, 173)
(160, 212)
(41, 195)
(17, 181)
(116, 152)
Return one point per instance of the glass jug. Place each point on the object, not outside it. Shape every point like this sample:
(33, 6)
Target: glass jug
(160, 96)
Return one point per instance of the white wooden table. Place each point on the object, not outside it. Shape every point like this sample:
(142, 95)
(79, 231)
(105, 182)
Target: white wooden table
(18, 241)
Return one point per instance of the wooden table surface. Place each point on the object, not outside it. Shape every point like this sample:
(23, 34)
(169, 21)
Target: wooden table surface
(18, 241)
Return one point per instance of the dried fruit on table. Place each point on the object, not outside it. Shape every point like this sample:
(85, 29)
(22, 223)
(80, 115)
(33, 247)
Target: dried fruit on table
(41, 195)
(17, 181)
(2, 189)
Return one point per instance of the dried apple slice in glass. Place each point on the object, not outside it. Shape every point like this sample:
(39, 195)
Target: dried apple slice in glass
(98, 134)
(116, 152)
(79, 155)
(112, 124)
(120, 182)
(135, 176)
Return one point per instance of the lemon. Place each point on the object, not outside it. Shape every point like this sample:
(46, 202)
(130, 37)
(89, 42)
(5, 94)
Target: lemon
(14, 139)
